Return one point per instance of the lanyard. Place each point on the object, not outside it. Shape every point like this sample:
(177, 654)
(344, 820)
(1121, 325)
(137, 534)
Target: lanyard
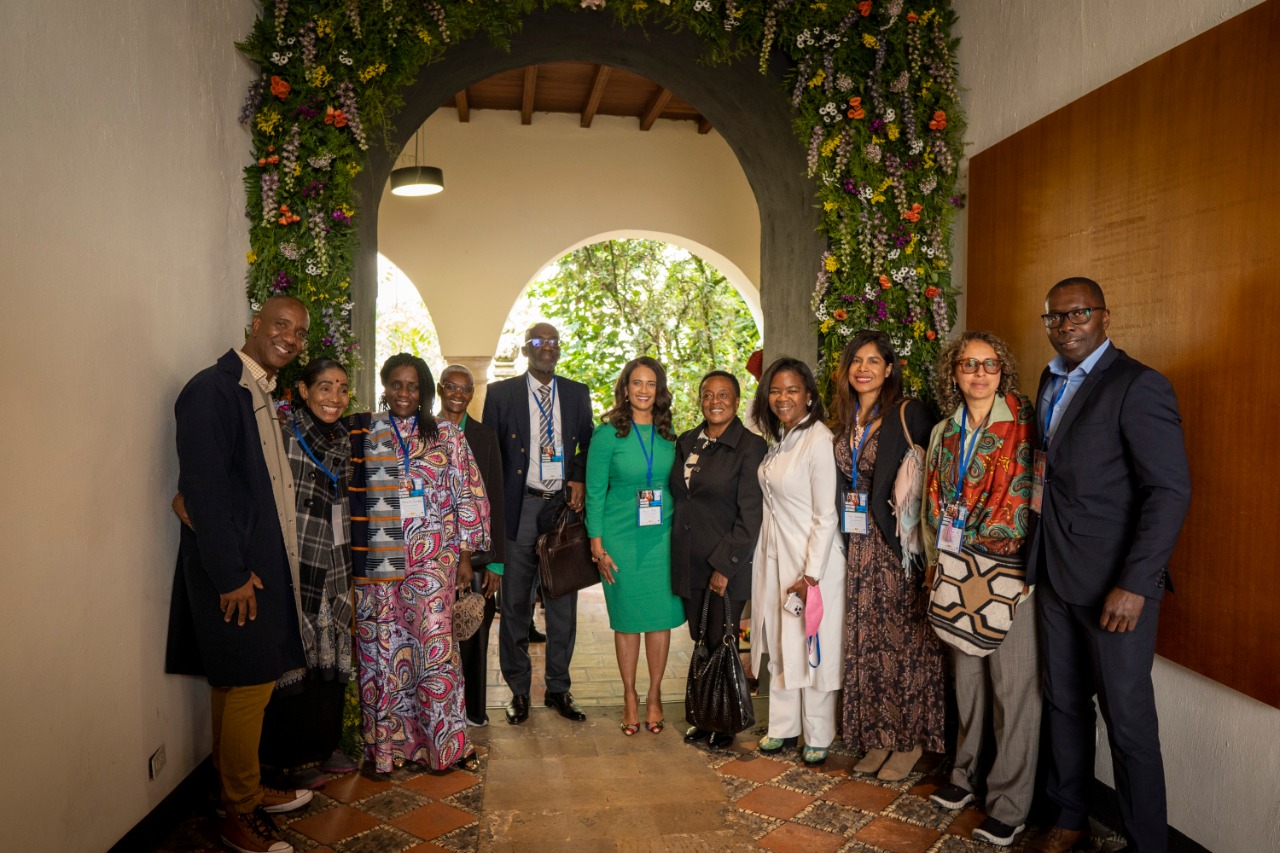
(1048, 416)
(853, 473)
(333, 478)
(648, 454)
(549, 416)
(403, 445)
(965, 456)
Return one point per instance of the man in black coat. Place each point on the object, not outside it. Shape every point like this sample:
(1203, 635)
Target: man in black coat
(542, 422)
(1114, 489)
(233, 616)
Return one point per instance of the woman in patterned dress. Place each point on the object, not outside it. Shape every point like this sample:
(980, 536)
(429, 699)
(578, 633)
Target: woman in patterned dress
(420, 510)
(893, 677)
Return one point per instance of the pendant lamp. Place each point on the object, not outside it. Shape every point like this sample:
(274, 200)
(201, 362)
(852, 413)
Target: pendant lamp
(417, 180)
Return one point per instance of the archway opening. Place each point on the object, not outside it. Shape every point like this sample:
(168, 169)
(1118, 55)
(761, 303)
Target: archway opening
(404, 323)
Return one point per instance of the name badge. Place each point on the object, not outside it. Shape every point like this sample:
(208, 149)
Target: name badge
(413, 500)
(854, 517)
(339, 529)
(1037, 483)
(649, 507)
(951, 531)
(551, 462)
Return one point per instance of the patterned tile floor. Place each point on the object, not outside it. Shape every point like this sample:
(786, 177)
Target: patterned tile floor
(558, 786)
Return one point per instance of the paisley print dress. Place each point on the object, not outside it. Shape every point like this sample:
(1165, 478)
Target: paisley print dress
(411, 693)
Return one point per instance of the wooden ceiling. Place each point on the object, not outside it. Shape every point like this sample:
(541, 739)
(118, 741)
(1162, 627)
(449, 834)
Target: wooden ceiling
(583, 88)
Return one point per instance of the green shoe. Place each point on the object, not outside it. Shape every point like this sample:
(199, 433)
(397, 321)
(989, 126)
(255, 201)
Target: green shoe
(813, 755)
(770, 745)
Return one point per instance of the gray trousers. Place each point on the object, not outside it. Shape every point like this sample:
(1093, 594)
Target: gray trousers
(519, 582)
(999, 699)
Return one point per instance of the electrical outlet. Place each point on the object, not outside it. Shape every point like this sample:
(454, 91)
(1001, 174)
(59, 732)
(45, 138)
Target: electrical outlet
(156, 763)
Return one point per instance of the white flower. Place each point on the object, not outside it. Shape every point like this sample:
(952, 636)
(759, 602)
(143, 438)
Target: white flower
(702, 6)
(917, 146)
(890, 115)
(893, 255)
(844, 82)
(281, 58)
(865, 193)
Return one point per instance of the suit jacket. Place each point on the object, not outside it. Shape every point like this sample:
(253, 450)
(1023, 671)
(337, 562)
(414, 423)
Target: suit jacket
(224, 479)
(717, 516)
(892, 447)
(1117, 486)
(484, 447)
(506, 412)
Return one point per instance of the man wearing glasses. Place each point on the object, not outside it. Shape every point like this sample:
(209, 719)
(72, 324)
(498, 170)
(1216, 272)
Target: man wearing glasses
(542, 421)
(1112, 488)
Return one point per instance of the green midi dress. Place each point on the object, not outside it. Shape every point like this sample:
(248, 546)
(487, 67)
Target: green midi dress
(640, 598)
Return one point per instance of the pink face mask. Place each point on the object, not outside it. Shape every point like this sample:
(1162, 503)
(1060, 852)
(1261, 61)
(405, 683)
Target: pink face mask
(812, 620)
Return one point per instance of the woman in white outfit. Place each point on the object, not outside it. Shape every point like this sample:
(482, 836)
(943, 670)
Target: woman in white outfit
(799, 552)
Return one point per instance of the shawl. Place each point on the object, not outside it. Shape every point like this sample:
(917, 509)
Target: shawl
(996, 488)
(324, 568)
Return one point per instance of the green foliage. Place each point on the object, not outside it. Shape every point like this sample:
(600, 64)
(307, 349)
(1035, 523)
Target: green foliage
(620, 299)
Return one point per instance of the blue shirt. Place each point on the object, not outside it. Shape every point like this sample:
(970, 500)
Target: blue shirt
(1074, 379)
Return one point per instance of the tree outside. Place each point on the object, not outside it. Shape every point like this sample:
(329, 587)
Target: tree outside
(404, 324)
(619, 299)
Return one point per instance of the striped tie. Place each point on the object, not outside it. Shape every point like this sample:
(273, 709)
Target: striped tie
(546, 424)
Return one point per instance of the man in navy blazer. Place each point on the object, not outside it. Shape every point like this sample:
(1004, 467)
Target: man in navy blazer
(1115, 489)
(541, 472)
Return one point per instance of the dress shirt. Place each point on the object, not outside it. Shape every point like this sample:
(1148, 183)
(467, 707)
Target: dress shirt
(1074, 379)
(538, 436)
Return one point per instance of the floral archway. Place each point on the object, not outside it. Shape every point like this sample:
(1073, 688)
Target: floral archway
(873, 88)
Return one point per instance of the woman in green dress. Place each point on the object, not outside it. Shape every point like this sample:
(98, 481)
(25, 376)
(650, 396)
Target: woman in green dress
(629, 520)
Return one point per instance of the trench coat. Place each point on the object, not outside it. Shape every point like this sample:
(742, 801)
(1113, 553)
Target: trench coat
(799, 534)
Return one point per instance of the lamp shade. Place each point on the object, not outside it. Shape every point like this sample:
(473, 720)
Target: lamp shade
(417, 180)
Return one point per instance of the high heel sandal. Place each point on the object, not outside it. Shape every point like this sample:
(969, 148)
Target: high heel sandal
(655, 728)
(629, 729)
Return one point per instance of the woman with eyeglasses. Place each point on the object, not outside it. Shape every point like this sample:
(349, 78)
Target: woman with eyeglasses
(419, 511)
(978, 476)
(894, 681)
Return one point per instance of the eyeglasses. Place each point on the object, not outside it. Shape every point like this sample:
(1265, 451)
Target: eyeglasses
(1078, 316)
(971, 365)
(454, 387)
(554, 343)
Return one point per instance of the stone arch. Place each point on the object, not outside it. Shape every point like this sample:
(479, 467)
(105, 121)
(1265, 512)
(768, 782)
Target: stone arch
(750, 110)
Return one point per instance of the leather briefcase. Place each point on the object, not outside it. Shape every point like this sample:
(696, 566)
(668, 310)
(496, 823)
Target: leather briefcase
(564, 557)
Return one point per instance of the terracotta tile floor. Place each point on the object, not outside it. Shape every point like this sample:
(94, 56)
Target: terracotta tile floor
(554, 785)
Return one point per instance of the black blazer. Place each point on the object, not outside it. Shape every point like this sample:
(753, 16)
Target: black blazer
(506, 412)
(892, 447)
(223, 477)
(1117, 485)
(484, 447)
(717, 517)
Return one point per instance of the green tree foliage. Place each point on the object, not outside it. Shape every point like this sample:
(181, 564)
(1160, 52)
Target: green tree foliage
(616, 300)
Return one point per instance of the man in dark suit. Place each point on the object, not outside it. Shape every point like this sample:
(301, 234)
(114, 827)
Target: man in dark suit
(234, 613)
(456, 389)
(1113, 488)
(542, 422)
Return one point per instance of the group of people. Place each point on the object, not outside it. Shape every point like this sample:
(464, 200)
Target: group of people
(1014, 554)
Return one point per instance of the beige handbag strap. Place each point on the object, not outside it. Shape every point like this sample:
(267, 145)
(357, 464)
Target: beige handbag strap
(902, 415)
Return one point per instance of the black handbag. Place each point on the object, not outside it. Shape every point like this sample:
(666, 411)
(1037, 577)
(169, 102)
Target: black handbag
(716, 696)
(564, 557)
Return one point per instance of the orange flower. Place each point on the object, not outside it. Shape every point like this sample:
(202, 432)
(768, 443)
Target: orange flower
(912, 17)
(885, 284)
(337, 118)
(939, 121)
(865, 7)
(855, 108)
(930, 292)
(280, 88)
(931, 334)
(914, 213)
(840, 314)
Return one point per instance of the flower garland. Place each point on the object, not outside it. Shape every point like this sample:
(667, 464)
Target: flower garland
(873, 85)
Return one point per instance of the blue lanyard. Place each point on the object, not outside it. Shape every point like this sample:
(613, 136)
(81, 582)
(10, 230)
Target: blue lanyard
(333, 478)
(403, 445)
(648, 454)
(965, 457)
(1048, 416)
(550, 416)
(853, 473)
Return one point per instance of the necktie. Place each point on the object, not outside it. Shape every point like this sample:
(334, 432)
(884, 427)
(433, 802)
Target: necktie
(546, 414)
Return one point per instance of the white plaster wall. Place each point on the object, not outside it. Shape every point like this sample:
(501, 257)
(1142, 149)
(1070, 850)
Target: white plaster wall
(1019, 61)
(517, 197)
(123, 240)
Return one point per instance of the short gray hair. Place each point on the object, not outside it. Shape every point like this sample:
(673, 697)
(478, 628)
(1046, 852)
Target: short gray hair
(458, 368)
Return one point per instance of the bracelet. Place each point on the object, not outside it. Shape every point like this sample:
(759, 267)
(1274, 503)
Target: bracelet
(810, 581)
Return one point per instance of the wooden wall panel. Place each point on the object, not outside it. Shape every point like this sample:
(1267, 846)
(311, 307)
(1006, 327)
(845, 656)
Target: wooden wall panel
(1164, 186)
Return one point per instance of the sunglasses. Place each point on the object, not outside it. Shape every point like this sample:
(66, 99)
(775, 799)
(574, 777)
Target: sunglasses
(554, 343)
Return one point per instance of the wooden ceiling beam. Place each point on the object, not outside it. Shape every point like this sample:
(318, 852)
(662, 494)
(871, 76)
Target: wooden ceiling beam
(655, 108)
(530, 90)
(464, 109)
(704, 124)
(597, 92)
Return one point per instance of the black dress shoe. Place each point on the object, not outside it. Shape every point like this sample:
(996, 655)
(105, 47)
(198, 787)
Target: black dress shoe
(536, 636)
(695, 734)
(517, 710)
(719, 740)
(565, 706)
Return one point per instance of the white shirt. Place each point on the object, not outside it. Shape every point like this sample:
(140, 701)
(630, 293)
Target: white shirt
(538, 436)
